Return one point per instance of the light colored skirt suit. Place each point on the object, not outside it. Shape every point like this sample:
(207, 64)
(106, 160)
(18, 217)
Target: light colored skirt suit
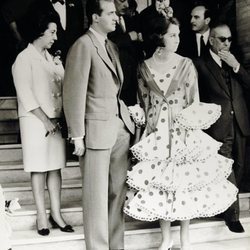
(38, 83)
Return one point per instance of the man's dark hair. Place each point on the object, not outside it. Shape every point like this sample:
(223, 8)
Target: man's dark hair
(208, 12)
(94, 7)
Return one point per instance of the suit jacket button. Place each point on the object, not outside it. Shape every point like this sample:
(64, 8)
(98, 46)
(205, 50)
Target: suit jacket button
(231, 112)
(116, 115)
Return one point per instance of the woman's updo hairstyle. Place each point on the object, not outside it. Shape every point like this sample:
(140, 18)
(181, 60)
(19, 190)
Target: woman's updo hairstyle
(157, 28)
(37, 22)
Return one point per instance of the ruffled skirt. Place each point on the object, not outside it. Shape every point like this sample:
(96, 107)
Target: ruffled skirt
(177, 180)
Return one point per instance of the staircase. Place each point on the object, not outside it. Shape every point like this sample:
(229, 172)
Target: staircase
(9, 125)
(138, 235)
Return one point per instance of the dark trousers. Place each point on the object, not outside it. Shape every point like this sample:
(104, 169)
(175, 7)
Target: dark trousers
(234, 147)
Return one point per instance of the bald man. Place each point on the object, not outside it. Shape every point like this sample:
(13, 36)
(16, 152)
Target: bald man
(223, 80)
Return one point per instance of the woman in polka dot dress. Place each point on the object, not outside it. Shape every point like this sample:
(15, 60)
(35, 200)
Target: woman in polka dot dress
(179, 174)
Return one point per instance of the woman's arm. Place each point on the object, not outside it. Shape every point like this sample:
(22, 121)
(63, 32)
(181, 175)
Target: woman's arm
(49, 125)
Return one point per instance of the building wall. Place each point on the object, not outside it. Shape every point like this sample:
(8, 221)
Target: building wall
(243, 30)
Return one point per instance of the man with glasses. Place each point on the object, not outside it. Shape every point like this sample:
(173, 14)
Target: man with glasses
(222, 80)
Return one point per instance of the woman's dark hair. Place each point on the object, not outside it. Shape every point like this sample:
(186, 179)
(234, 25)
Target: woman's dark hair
(37, 22)
(157, 28)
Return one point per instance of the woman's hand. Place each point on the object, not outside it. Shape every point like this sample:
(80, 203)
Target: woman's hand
(50, 125)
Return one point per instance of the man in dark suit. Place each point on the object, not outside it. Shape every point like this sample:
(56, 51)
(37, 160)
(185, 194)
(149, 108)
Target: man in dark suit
(128, 41)
(100, 126)
(196, 44)
(222, 80)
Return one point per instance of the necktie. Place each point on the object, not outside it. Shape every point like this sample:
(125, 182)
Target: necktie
(225, 66)
(225, 71)
(110, 53)
(202, 46)
(60, 1)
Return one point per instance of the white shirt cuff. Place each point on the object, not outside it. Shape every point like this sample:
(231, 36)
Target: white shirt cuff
(236, 69)
(77, 138)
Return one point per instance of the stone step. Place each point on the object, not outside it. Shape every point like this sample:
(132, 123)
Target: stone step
(244, 201)
(71, 171)
(237, 244)
(71, 191)
(25, 218)
(137, 237)
(11, 152)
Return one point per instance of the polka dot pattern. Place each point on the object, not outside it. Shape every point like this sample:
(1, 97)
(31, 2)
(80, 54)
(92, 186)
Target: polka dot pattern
(190, 183)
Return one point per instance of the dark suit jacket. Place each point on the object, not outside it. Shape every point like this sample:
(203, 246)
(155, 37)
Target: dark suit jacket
(129, 53)
(145, 18)
(213, 89)
(188, 45)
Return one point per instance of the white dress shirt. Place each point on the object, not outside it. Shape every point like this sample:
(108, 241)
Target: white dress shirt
(61, 10)
(215, 57)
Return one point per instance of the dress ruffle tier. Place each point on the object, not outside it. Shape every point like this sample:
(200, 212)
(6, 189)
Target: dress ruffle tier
(181, 179)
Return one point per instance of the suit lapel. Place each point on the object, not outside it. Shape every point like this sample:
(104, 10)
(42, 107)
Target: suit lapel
(101, 52)
(68, 14)
(215, 70)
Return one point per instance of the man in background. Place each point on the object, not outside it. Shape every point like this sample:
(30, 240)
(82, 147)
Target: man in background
(128, 40)
(195, 44)
(223, 80)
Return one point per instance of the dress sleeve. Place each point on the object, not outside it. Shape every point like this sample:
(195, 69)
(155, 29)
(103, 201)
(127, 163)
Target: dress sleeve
(22, 75)
(138, 115)
(143, 91)
(191, 85)
(198, 116)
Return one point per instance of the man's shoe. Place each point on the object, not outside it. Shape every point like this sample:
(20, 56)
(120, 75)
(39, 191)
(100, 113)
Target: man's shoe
(235, 226)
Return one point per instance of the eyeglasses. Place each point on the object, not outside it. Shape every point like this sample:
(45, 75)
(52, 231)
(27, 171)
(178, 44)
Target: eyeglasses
(223, 39)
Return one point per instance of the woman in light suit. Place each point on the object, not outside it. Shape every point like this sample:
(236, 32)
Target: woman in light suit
(38, 82)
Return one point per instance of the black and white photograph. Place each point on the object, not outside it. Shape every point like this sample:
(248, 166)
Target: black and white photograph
(124, 125)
